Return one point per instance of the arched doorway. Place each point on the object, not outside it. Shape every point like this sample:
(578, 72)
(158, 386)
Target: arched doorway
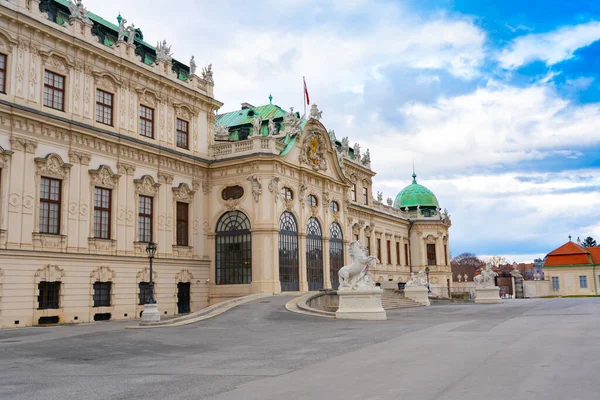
(336, 253)
(314, 254)
(289, 271)
(233, 249)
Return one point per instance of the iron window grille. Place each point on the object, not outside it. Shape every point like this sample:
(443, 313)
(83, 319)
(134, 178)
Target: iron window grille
(314, 254)
(336, 253)
(233, 249)
(104, 107)
(182, 133)
(146, 121)
(102, 294)
(48, 295)
(312, 200)
(431, 256)
(50, 198)
(145, 219)
(54, 91)
(102, 210)
(2, 73)
(145, 292)
(182, 224)
(289, 270)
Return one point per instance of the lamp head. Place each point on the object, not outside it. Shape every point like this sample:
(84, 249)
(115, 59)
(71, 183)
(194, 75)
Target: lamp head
(151, 249)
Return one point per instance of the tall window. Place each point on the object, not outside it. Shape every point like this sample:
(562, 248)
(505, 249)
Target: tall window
(54, 90)
(144, 292)
(233, 249)
(336, 253)
(102, 294)
(397, 253)
(104, 107)
(365, 196)
(368, 243)
(2, 73)
(182, 133)
(431, 259)
(146, 121)
(182, 224)
(446, 254)
(583, 282)
(102, 206)
(389, 251)
(50, 206)
(145, 219)
(406, 254)
(354, 192)
(555, 284)
(379, 249)
(48, 294)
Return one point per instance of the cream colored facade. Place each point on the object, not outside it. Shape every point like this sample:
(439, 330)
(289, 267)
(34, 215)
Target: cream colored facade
(40, 142)
(572, 280)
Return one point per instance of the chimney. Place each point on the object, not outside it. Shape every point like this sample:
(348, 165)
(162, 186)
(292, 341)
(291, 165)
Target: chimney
(246, 105)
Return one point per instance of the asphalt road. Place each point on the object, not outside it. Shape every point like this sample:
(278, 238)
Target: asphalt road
(520, 349)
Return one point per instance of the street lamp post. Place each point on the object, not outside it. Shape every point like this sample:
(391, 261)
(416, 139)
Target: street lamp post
(427, 272)
(151, 313)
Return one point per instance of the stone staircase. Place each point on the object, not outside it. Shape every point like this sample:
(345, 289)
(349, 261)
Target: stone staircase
(391, 299)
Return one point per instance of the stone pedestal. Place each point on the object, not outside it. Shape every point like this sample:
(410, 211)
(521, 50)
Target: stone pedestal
(488, 295)
(150, 313)
(418, 294)
(363, 304)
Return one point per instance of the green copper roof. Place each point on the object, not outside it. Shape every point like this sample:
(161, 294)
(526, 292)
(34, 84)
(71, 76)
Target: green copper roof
(415, 195)
(245, 116)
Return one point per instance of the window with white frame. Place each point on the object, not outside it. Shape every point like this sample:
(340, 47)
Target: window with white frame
(583, 282)
(555, 284)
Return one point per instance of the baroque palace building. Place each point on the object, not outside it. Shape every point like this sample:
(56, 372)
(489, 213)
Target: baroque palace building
(108, 143)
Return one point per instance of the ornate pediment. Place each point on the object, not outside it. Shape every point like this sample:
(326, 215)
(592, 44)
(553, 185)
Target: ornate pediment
(146, 186)
(49, 273)
(183, 193)
(147, 97)
(102, 274)
(104, 177)
(53, 166)
(107, 81)
(57, 62)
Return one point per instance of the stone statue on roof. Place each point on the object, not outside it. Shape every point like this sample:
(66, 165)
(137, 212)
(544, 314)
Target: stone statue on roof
(272, 127)
(357, 152)
(292, 124)
(366, 160)
(389, 201)
(163, 52)
(122, 28)
(256, 125)
(207, 74)
(221, 132)
(130, 33)
(332, 139)
(315, 113)
(78, 11)
(345, 146)
(379, 197)
(192, 66)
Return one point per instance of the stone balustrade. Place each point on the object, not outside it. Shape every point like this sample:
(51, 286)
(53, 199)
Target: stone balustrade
(255, 144)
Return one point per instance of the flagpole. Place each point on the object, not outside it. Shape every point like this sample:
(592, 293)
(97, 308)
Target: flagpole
(304, 93)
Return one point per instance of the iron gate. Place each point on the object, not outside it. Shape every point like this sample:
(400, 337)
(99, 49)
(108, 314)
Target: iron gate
(314, 254)
(233, 249)
(289, 271)
(183, 297)
(336, 253)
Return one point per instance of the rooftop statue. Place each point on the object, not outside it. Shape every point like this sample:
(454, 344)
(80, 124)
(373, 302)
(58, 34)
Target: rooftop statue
(272, 128)
(130, 33)
(315, 113)
(122, 28)
(207, 74)
(292, 124)
(417, 280)
(356, 275)
(345, 146)
(357, 152)
(163, 52)
(486, 279)
(331, 134)
(366, 160)
(379, 197)
(221, 132)
(78, 11)
(389, 201)
(192, 66)
(256, 125)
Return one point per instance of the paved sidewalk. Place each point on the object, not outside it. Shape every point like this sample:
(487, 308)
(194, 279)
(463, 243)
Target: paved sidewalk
(520, 349)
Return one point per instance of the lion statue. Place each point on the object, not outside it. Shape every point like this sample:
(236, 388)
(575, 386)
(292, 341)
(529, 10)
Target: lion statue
(356, 275)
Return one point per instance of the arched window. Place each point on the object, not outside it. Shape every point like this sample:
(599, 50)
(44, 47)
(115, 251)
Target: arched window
(334, 206)
(336, 253)
(233, 249)
(287, 193)
(312, 200)
(314, 254)
(289, 271)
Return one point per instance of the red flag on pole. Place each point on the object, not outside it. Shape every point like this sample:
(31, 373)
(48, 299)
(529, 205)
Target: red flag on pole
(306, 92)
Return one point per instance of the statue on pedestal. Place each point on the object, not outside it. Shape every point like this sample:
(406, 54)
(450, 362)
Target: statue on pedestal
(356, 275)
(418, 280)
(121, 34)
(487, 277)
(193, 66)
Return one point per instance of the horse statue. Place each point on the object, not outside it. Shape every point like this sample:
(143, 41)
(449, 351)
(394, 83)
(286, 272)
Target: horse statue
(356, 275)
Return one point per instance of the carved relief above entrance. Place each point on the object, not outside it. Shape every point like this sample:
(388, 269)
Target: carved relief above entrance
(313, 151)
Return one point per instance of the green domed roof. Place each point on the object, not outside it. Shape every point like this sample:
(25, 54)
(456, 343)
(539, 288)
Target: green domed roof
(415, 195)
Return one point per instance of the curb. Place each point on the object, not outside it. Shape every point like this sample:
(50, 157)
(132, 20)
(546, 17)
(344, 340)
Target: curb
(206, 313)
(299, 306)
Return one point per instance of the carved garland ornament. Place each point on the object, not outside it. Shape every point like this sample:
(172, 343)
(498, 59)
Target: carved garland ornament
(53, 166)
(146, 186)
(256, 186)
(104, 177)
(183, 193)
(49, 273)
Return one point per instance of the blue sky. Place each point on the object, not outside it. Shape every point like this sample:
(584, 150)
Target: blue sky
(498, 103)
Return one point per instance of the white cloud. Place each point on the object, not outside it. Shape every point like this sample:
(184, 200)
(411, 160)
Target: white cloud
(552, 47)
